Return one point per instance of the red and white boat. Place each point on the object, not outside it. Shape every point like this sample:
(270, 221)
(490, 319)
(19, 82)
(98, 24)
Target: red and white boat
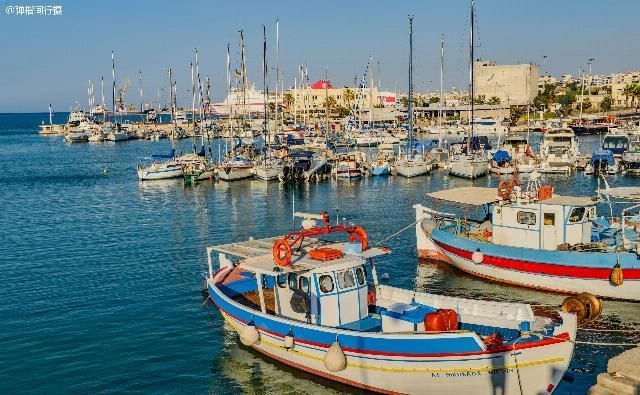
(532, 238)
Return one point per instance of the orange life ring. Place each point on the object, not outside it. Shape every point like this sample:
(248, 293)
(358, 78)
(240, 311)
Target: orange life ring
(494, 340)
(359, 234)
(282, 252)
(504, 189)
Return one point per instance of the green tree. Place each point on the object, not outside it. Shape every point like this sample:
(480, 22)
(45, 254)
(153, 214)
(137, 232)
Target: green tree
(586, 104)
(606, 104)
(404, 101)
(288, 100)
(329, 104)
(546, 98)
(343, 111)
(272, 107)
(434, 99)
(494, 100)
(349, 96)
(479, 100)
(628, 92)
(567, 100)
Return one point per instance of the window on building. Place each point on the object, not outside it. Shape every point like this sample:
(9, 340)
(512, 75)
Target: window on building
(576, 214)
(282, 280)
(304, 284)
(326, 283)
(293, 281)
(360, 275)
(345, 279)
(526, 218)
(549, 218)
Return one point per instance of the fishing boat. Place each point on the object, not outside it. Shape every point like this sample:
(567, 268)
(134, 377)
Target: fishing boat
(472, 163)
(559, 151)
(631, 158)
(531, 237)
(312, 302)
(412, 162)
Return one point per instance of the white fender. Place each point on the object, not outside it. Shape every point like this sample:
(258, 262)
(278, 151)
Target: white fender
(477, 257)
(249, 335)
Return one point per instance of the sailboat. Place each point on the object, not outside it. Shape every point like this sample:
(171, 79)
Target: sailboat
(470, 164)
(235, 168)
(413, 163)
(113, 131)
(440, 154)
(163, 170)
(269, 167)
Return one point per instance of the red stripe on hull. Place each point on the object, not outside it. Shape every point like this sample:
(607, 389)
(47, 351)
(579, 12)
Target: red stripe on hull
(542, 268)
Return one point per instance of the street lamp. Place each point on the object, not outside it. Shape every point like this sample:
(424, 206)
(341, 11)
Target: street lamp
(590, 75)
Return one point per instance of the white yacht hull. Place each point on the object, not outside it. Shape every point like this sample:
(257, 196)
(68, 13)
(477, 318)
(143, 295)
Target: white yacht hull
(162, 171)
(468, 168)
(412, 168)
(268, 173)
(232, 173)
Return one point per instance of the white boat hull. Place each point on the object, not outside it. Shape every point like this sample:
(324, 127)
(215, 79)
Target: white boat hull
(530, 371)
(229, 174)
(268, 173)
(162, 172)
(412, 168)
(114, 137)
(470, 169)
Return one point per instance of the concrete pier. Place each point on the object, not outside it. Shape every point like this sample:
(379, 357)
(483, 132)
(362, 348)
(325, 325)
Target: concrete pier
(622, 376)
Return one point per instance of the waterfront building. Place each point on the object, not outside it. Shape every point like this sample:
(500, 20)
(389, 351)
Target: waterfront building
(516, 84)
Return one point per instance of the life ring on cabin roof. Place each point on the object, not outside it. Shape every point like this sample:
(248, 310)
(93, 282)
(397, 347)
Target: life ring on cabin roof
(504, 189)
(282, 252)
(359, 234)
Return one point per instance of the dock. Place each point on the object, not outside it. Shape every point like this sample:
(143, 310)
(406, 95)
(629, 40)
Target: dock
(622, 376)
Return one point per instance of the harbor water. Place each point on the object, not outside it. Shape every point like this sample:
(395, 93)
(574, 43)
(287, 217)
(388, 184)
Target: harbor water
(101, 287)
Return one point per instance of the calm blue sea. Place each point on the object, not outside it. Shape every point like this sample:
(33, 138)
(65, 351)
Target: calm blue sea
(100, 283)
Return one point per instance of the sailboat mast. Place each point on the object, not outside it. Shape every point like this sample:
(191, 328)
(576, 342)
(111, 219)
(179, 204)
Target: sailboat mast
(173, 129)
(229, 122)
(277, 71)
(141, 96)
(113, 96)
(193, 108)
(326, 102)
(410, 98)
(244, 83)
(370, 93)
(471, 89)
(265, 91)
(441, 90)
(104, 110)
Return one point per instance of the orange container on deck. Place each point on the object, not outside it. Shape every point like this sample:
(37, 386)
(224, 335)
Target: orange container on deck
(441, 320)
(545, 192)
(325, 254)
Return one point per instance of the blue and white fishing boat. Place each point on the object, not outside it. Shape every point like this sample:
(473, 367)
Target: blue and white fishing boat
(533, 238)
(162, 167)
(317, 306)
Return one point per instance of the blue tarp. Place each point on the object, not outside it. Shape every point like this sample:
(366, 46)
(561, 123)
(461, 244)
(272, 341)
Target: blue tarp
(168, 155)
(602, 156)
(501, 156)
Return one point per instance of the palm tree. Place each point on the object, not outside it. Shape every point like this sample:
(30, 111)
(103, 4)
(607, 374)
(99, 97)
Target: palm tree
(349, 96)
(628, 91)
(288, 100)
(330, 104)
(636, 94)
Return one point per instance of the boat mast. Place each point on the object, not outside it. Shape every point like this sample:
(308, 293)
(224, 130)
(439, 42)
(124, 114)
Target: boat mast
(370, 94)
(265, 89)
(141, 96)
(410, 98)
(200, 105)
(229, 123)
(441, 90)
(471, 89)
(193, 108)
(173, 129)
(113, 96)
(104, 110)
(581, 93)
(277, 71)
(244, 84)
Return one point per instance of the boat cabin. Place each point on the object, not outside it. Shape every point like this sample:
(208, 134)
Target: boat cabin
(528, 219)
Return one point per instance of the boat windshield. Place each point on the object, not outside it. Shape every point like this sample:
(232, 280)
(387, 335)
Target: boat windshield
(616, 142)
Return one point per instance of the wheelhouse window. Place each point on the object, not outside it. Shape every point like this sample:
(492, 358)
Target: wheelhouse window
(304, 284)
(549, 218)
(293, 281)
(326, 284)
(282, 280)
(360, 275)
(345, 279)
(526, 218)
(577, 214)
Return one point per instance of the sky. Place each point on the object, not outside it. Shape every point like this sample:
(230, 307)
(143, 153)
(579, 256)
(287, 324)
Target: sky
(50, 59)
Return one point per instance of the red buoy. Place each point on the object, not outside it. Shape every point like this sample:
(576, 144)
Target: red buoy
(441, 320)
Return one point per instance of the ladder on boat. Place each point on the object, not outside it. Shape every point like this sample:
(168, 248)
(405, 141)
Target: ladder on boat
(319, 163)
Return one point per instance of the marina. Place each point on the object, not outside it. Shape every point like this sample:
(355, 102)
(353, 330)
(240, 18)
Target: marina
(262, 212)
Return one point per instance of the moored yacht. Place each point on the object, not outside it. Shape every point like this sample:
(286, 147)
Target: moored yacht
(559, 151)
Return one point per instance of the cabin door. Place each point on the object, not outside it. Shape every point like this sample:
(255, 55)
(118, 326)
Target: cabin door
(549, 231)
